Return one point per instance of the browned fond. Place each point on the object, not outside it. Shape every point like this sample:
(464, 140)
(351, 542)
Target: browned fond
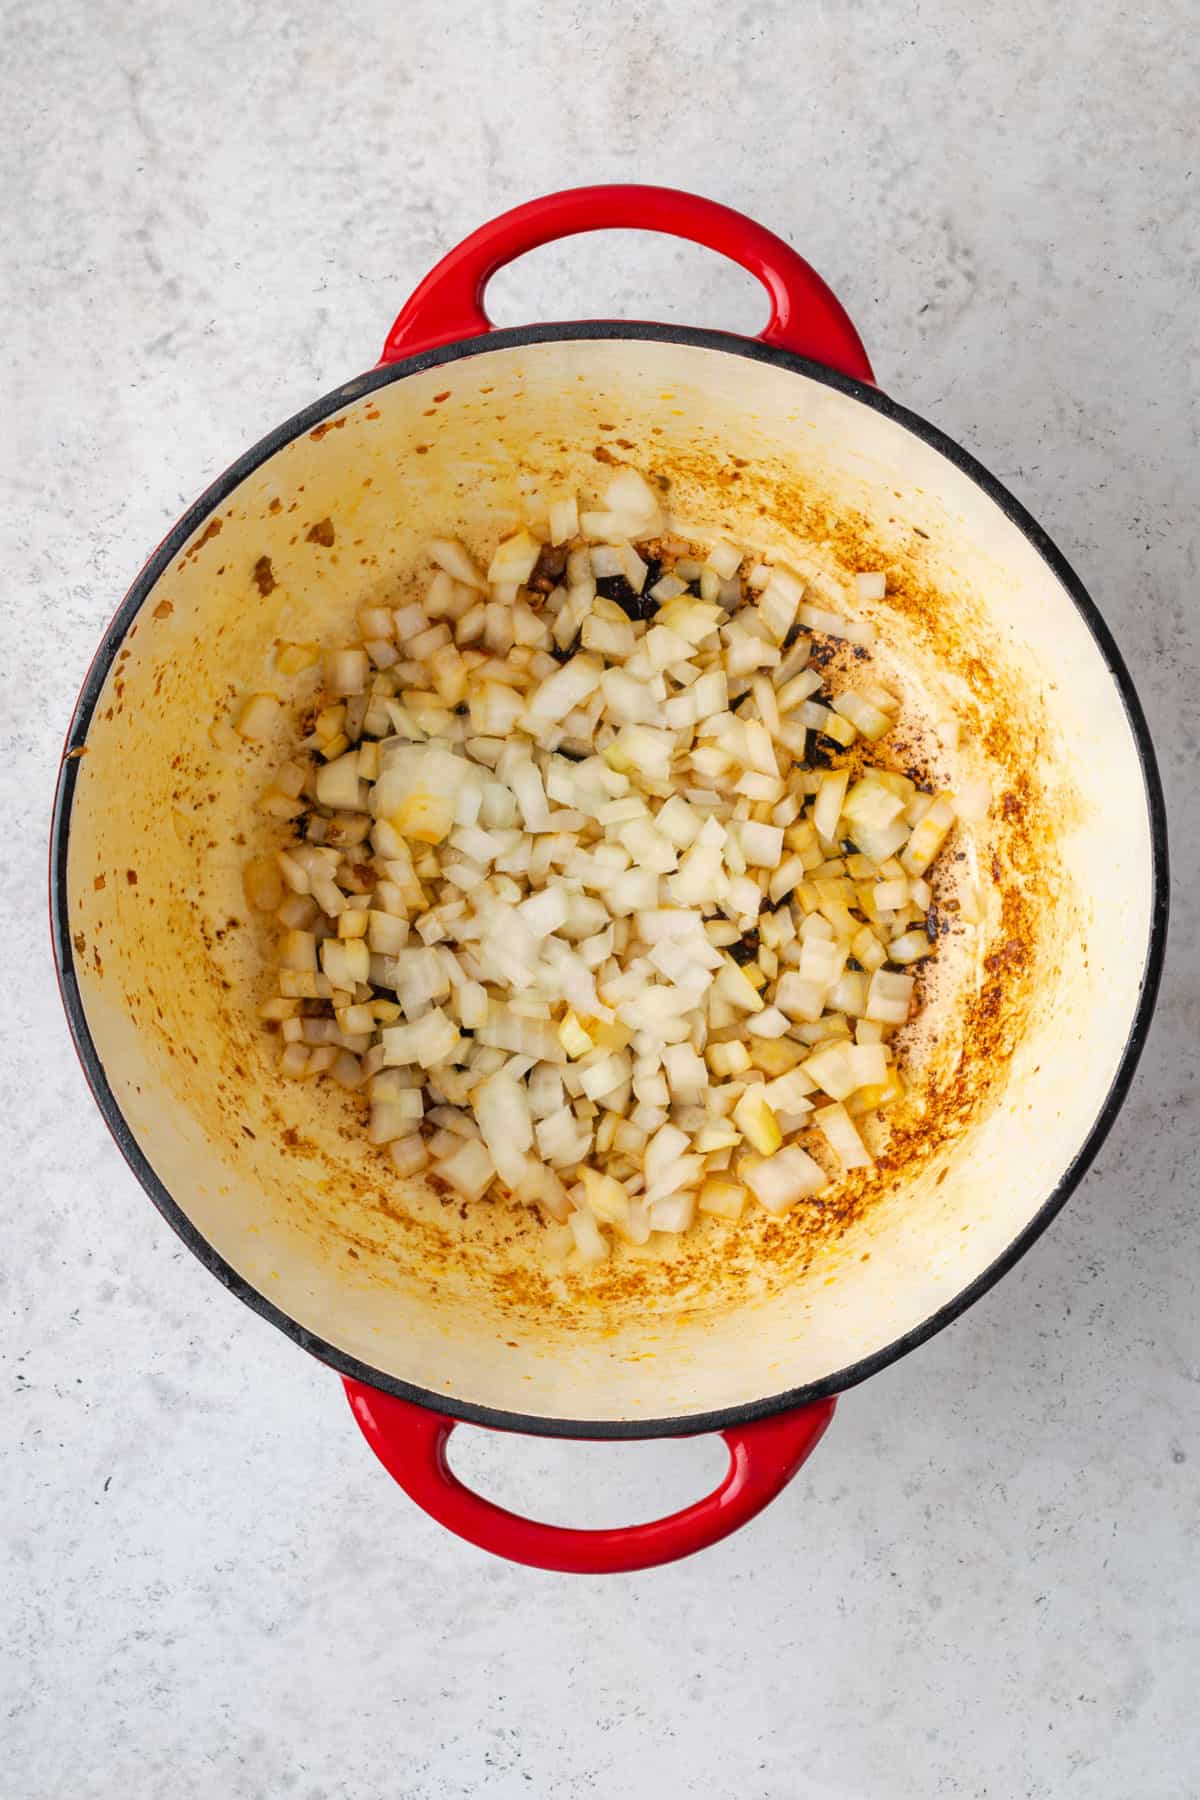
(982, 993)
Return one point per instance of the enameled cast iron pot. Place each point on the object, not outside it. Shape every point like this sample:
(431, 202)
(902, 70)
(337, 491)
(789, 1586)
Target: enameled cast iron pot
(1033, 1017)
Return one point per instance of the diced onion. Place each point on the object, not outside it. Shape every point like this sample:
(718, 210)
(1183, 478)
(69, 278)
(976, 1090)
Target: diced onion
(469, 1168)
(503, 1115)
(590, 1242)
(722, 1198)
(819, 618)
(258, 717)
(564, 518)
(565, 893)
(725, 558)
(973, 799)
(778, 1182)
(514, 558)
(842, 1135)
(889, 997)
(757, 1123)
(450, 555)
(865, 717)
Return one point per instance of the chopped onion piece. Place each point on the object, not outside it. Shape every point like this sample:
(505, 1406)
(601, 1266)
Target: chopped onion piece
(828, 808)
(842, 1136)
(628, 492)
(408, 1155)
(889, 997)
(870, 803)
(564, 518)
(590, 1242)
(762, 845)
(770, 1023)
(929, 836)
(514, 558)
(833, 1069)
(854, 631)
(674, 1212)
(345, 961)
(722, 1198)
(779, 601)
(502, 1112)
(633, 568)
(910, 947)
(735, 986)
(664, 1148)
(418, 789)
(668, 587)
(337, 782)
(605, 1197)
(725, 558)
(686, 1072)
(563, 691)
(601, 1077)
(788, 1093)
(450, 555)
(346, 671)
(778, 1182)
(258, 717)
(678, 822)
(866, 718)
(757, 1123)
(468, 1168)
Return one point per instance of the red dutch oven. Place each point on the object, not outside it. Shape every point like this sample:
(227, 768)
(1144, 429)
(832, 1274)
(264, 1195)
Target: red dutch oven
(1029, 1035)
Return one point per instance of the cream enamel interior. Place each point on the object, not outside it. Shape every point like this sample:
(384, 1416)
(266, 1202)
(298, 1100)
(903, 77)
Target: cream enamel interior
(279, 1180)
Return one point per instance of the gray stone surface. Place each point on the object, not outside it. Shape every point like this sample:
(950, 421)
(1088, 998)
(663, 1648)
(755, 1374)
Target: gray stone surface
(986, 1585)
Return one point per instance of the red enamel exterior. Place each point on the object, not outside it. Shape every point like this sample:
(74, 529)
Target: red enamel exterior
(410, 1441)
(807, 319)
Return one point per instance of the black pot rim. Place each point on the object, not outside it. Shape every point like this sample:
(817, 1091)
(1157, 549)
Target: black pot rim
(168, 550)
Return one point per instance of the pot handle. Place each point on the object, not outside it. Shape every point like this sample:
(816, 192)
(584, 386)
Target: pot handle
(806, 317)
(410, 1441)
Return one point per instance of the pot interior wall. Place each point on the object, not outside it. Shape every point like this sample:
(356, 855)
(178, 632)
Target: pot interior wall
(1027, 1014)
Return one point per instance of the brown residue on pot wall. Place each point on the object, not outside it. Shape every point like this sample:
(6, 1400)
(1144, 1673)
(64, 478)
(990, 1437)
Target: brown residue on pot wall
(211, 530)
(342, 1190)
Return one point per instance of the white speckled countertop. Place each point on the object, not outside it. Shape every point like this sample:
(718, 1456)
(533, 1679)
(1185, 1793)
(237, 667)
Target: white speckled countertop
(986, 1582)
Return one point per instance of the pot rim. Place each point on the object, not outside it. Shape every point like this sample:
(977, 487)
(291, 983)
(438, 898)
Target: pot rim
(334, 401)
